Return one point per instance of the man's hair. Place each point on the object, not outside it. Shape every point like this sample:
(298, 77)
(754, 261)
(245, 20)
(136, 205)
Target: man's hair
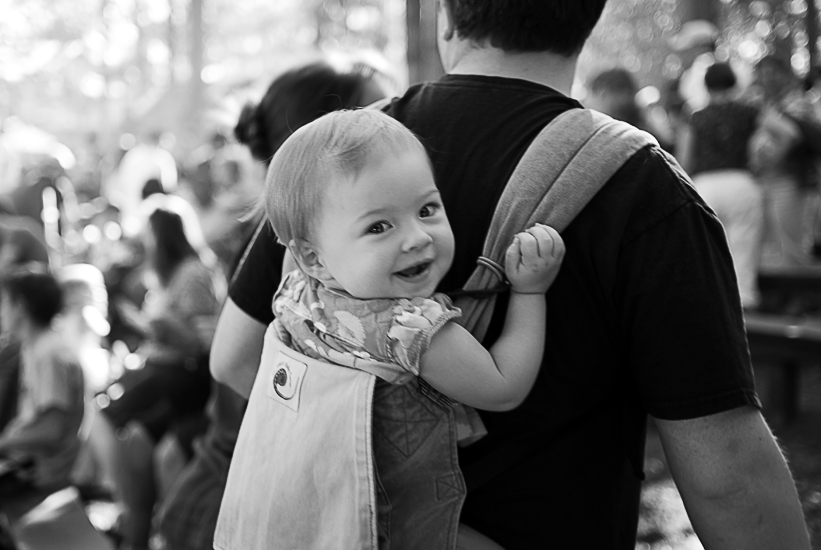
(719, 77)
(557, 26)
(36, 289)
(334, 147)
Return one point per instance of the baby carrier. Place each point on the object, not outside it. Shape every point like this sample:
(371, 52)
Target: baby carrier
(302, 475)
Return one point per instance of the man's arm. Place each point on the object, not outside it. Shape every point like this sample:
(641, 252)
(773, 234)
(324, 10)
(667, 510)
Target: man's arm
(236, 349)
(734, 481)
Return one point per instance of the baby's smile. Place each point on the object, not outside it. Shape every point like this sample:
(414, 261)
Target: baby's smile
(415, 271)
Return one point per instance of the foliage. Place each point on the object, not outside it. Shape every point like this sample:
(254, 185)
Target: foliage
(77, 67)
(635, 34)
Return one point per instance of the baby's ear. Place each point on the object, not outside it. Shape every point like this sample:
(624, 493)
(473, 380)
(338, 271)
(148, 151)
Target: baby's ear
(308, 259)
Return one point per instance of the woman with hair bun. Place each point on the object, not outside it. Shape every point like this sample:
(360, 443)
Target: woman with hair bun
(188, 517)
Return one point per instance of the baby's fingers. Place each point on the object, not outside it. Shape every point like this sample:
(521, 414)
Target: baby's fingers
(550, 243)
(512, 256)
(528, 245)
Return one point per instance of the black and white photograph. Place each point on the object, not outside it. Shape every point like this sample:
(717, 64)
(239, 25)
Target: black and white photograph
(410, 274)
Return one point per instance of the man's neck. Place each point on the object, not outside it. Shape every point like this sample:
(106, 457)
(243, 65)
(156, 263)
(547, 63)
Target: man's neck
(548, 69)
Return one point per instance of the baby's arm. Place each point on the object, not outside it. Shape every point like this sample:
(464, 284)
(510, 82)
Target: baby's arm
(500, 378)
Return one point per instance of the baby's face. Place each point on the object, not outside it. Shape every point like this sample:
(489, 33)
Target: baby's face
(385, 234)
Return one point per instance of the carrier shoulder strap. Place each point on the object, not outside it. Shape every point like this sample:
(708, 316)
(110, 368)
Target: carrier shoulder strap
(562, 170)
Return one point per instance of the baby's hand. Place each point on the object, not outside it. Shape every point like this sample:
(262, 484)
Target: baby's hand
(533, 259)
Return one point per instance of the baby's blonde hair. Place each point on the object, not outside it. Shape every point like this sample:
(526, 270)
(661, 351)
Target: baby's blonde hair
(336, 146)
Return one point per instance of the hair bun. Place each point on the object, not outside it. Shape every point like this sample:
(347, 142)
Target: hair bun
(248, 132)
(247, 125)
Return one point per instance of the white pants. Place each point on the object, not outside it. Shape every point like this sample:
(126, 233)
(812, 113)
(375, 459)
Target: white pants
(737, 200)
(786, 225)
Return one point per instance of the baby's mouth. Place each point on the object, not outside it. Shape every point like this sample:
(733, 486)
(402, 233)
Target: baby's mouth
(414, 271)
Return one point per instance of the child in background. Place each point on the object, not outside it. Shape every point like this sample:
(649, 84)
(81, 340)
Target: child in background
(352, 195)
(43, 438)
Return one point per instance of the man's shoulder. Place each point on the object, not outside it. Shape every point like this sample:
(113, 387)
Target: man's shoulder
(649, 187)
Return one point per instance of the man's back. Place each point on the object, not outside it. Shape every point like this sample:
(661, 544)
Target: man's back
(579, 436)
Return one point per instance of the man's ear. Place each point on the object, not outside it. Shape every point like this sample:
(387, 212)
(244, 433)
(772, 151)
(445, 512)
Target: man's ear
(445, 18)
(309, 260)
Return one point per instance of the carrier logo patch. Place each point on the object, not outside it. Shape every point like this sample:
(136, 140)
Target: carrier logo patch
(285, 381)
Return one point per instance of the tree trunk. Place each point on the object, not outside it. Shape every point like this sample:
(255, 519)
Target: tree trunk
(171, 37)
(423, 57)
(196, 87)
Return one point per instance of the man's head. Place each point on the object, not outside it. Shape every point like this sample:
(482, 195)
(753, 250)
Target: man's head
(556, 26)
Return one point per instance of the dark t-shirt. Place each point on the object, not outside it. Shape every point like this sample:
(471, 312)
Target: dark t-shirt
(257, 278)
(644, 317)
(720, 135)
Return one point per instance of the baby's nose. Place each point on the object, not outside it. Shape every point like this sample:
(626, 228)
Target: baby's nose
(417, 237)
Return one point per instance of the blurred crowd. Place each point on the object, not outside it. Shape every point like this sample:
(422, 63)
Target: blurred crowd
(114, 270)
(748, 137)
(112, 281)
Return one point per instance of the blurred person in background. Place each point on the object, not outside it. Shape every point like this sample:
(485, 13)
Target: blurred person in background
(10, 164)
(614, 93)
(142, 162)
(40, 445)
(213, 181)
(84, 325)
(21, 242)
(89, 169)
(784, 152)
(713, 149)
(695, 44)
(188, 517)
(170, 390)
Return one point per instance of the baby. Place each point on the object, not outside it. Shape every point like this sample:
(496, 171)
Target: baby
(353, 197)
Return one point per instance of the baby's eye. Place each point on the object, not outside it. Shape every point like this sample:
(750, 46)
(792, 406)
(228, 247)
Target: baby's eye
(428, 210)
(379, 227)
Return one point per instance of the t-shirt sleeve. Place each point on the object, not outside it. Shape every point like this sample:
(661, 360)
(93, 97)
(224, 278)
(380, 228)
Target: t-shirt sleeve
(682, 317)
(258, 274)
(413, 326)
(59, 385)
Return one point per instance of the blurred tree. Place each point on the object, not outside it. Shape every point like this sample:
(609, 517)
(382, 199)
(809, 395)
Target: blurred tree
(75, 67)
(635, 34)
(423, 58)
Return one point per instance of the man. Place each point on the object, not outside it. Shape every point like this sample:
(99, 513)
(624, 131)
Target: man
(643, 318)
